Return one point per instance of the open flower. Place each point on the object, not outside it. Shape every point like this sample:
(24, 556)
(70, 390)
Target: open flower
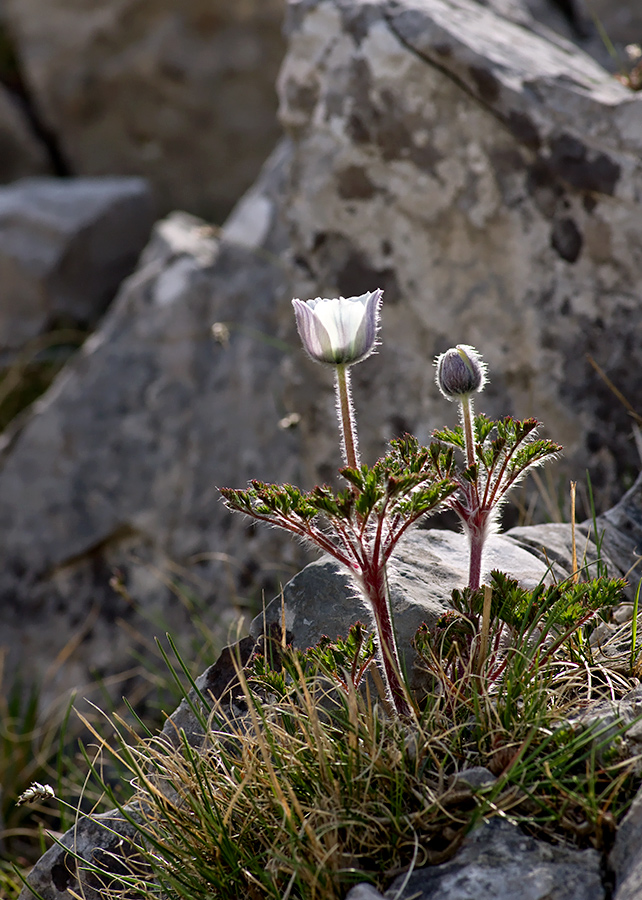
(339, 331)
(460, 372)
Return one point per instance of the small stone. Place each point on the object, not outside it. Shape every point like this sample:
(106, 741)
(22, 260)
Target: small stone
(475, 777)
(364, 892)
(623, 613)
(498, 860)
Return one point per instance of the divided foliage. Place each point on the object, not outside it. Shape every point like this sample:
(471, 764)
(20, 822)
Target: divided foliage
(382, 502)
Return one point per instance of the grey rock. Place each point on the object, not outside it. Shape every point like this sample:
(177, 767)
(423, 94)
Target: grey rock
(182, 94)
(425, 569)
(601, 28)
(65, 247)
(498, 861)
(105, 841)
(625, 859)
(619, 530)
(609, 717)
(219, 681)
(623, 614)
(570, 21)
(21, 153)
(553, 544)
(364, 892)
(613, 646)
(475, 777)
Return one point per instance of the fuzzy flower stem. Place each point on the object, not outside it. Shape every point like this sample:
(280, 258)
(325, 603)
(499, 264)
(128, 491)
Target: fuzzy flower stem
(345, 413)
(474, 568)
(376, 589)
(466, 415)
(477, 534)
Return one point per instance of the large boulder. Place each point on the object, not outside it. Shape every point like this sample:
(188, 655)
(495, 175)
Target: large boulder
(183, 94)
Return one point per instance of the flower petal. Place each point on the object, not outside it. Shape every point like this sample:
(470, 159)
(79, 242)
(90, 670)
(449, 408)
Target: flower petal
(340, 330)
(367, 334)
(314, 337)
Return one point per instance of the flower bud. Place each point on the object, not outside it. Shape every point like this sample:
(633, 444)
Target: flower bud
(460, 372)
(340, 331)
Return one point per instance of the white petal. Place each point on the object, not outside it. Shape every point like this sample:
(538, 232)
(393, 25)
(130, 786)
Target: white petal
(314, 337)
(341, 319)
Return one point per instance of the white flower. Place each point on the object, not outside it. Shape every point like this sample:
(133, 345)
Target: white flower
(460, 372)
(341, 331)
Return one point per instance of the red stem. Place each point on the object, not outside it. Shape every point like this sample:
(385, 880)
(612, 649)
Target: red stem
(476, 526)
(309, 533)
(474, 571)
(374, 580)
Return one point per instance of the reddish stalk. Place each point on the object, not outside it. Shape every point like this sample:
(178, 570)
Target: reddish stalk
(374, 583)
(474, 569)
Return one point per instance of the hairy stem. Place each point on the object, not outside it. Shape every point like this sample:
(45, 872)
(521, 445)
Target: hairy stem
(476, 537)
(466, 415)
(345, 413)
(374, 581)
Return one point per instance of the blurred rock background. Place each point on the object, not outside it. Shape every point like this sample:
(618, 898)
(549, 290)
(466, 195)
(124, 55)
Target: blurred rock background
(478, 161)
(180, 93)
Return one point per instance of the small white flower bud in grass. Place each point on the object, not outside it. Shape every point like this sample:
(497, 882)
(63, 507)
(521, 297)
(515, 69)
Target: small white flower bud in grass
(460, 372)
(339, 331)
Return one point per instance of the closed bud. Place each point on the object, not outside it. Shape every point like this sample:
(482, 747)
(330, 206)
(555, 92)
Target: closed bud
(339, 331)
(460, 372)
